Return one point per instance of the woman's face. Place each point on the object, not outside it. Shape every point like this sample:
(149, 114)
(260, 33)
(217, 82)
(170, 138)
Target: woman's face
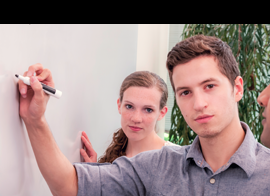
(140, 112)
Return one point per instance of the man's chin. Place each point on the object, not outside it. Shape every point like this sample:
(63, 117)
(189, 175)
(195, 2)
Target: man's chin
(206, 133)
(208, 136)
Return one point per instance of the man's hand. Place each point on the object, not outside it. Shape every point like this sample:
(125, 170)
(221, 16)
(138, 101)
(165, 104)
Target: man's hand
(56, 169)
(89, 155)
(33, 99)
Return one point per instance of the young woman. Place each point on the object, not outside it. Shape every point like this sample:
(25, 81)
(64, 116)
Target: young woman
(142, 102)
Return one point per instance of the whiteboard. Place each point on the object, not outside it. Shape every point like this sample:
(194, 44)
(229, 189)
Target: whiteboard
(88, 64)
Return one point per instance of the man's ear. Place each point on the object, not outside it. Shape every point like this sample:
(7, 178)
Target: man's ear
(119, 105)
(163, 112)
(238, 88)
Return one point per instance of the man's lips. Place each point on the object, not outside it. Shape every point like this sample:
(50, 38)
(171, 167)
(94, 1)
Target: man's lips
(134, 128)
(204, 118)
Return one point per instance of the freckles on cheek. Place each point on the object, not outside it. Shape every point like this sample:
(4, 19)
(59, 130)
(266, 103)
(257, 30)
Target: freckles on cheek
(125, 115)
(149, 119)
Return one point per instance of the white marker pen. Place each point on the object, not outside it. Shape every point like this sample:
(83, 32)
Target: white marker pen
(47, 89)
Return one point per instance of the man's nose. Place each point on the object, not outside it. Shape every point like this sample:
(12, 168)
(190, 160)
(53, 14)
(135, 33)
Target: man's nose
(136, 117)
(199, 102)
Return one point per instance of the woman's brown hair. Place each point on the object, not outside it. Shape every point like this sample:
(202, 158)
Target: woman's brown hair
(146, 79)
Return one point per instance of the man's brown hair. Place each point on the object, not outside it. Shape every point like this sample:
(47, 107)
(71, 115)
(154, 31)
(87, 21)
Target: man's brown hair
(200, 45)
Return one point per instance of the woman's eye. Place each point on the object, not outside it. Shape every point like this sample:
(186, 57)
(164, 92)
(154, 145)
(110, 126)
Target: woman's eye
(128, 106)
(149, 110)
(185, 93)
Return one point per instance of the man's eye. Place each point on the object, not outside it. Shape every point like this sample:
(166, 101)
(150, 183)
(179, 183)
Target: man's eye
(210, 86)
(185, 93)
(128, 106)
(149, 110)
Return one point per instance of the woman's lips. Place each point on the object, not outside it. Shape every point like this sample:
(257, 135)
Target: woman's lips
(203, 119)
(135, 128)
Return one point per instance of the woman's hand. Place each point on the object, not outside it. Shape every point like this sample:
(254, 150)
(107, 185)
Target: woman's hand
(90, 154)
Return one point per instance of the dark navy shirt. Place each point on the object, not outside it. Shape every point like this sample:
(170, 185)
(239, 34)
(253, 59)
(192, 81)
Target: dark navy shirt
(177, 170)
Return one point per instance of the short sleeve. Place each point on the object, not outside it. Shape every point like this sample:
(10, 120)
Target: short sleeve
(125, 176)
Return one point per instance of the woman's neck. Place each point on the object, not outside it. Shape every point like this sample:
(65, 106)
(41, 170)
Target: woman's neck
(152, 142)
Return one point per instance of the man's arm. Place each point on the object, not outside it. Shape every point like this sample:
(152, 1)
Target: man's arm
(58, 172)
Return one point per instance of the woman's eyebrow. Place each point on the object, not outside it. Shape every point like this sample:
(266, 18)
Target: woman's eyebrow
(149, 106)
(126, 101)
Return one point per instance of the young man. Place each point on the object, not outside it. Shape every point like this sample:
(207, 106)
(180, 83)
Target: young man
(263, 100)
(224, 159)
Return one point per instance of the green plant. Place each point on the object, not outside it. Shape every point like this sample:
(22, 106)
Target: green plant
(250, 45)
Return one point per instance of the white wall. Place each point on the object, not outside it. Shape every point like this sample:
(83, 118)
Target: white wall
(152, 50)
(88, 63)
(175, 36)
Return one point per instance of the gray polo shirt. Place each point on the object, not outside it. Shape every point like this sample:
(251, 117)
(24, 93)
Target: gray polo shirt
(177, 170)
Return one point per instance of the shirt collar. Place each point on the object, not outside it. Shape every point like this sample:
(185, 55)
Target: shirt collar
(195, 153)
(244, 157)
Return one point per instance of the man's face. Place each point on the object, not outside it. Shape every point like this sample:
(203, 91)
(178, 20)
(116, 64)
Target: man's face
(263, 100)
(205, 96)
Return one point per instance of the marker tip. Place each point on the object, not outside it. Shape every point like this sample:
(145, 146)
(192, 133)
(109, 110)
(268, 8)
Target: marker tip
(16, 75)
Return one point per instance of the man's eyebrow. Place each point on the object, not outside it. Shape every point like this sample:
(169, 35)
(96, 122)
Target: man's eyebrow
(203, 82)
(209, 80)
(180, 88)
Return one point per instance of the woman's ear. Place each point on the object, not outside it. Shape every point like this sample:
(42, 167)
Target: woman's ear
(238, 88)
(119, 105)
(163, 112)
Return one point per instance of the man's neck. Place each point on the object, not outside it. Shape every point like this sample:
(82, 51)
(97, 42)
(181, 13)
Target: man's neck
(218, 150)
